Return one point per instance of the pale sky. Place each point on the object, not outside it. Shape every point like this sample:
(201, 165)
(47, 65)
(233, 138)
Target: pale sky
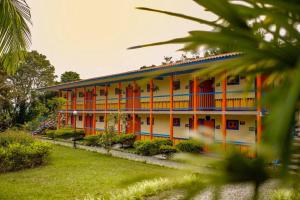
(91, 37)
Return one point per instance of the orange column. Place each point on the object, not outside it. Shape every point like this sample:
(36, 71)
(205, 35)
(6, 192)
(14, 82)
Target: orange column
(94, 109)
(151, 109)
(106, 106)
(259, 108)
(171, 108)
(75, 107)
(119, 107)
(195, 103)
(133, 108)
(67, 109)
(83, 112)
(59, 114)
(224, 111)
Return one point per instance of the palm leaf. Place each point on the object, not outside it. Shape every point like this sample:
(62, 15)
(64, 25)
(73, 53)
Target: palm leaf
(15, 35)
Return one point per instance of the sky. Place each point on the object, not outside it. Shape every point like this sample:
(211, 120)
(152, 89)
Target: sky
(91, 37)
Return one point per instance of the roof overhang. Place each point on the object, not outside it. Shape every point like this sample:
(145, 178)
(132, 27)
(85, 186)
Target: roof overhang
(159, 71)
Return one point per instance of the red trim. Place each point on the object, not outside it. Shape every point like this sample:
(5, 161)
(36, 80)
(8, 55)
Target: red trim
(151, 109)
(119, 107)
(259, 108)
(224, 111)
(171, 108)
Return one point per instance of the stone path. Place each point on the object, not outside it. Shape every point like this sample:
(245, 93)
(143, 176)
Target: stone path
(130, 156)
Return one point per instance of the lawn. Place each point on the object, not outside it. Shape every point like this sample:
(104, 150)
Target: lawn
(73, 174)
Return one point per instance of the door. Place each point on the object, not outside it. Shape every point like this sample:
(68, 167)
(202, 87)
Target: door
(207, 127)
(129, 124)
(207, 96)
(89, 100)
(88, 123)
(130, 101)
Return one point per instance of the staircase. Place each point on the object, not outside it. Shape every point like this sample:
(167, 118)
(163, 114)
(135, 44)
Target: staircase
(46, 124)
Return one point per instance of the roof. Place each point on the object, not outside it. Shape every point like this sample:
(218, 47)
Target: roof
(178, 66)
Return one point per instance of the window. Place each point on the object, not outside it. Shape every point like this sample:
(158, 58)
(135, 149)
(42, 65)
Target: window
(148, 120)
(176, 121)
(80, 118)
(232, 124)
(176, 85)
(101, 118)
(80, 94)
(102, 92)
(118, 91)
(233, 80)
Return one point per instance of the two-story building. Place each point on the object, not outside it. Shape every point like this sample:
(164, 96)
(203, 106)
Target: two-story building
(168, 101)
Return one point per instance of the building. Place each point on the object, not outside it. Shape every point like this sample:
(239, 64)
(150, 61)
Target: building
(168, 102)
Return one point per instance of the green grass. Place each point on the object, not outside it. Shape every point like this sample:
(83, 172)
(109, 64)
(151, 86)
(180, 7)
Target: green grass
(73, 174)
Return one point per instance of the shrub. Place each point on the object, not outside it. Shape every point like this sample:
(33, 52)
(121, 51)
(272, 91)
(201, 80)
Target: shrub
(91, 140)
(107, 140)
(160, 142)
(126, 140)
(167, 150)
(18, 150)
(150, 148)
(67, 133)
(50, 134)
(190, 146)
(10, 137)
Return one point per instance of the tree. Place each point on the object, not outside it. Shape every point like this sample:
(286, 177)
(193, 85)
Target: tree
(69, 76)
(34, 72)
(14, 33)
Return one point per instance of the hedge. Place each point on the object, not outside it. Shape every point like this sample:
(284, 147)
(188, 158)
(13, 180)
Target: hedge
(64, 133)
(91, 140)
(150, 148)
(126, 140)
(18, 150)
(190, 146)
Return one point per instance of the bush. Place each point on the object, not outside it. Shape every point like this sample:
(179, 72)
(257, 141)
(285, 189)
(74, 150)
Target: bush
(18, 150)
(160, 142)
(91, 140)
(65, 133)
(150, 148)
(126, 140)
(10, 137)
(50, 134)
(167, 150)
(107, 140)
(190, 146)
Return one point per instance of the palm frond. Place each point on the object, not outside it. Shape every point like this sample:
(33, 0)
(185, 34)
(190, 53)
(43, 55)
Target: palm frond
(15, 35)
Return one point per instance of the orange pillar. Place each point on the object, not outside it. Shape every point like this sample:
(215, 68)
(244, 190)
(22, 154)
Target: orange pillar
(67, 109)
(259, 108)
(133, 108)
(195, 103)
(171, 109)
(106, 106)
(94, 110)
(83, 112)
(119, 107)
(75, 107)
(59, 114)
(224, 111)
(151, 109)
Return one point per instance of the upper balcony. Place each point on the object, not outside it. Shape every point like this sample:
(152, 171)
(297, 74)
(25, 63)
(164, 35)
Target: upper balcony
(205, 101)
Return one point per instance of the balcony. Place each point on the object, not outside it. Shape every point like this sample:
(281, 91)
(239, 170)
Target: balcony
(209, 101)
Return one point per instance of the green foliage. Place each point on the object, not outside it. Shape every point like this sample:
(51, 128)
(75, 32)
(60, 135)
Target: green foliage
(107, 140)
(65, 133)
(126, 140)
(167, 150)
(69, 76)
(18, 150)
(14, 33)
(286, 194)
(150, 148)
(267, 34)
(91, 140)
(190, 146)
(11, 137)
(50, 134)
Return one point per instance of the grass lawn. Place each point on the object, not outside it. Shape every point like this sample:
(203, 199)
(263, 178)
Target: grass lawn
(73, 174)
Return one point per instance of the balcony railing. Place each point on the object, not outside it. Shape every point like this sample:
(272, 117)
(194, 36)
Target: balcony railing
(205, 101)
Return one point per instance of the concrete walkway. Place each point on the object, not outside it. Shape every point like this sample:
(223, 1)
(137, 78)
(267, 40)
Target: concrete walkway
(134, 157)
